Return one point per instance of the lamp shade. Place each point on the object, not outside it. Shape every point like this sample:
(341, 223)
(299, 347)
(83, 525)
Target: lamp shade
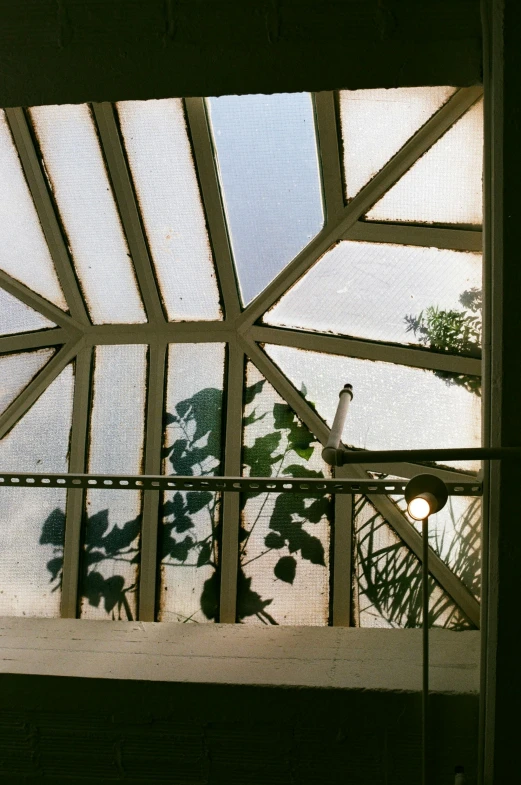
(425, 494)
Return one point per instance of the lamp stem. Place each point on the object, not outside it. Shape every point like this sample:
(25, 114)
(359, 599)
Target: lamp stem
(425, 652)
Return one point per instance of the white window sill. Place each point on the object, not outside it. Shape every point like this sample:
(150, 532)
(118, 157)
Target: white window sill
(341, 658)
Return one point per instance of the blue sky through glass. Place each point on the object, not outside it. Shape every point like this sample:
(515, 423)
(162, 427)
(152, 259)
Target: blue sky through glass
(267, 156)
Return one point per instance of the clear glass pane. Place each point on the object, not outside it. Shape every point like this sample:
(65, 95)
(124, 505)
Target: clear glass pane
(17, 317)
(17, 370)
(24, 254)
(377, 123)
(455, 535)
(75, 166)
(394, 406)
(444, 185)
(33, 519)
(285, 537)
(267, 156)
(380, 291)
(160, 158)
(387, 579)
(190, 535)
(113, 525)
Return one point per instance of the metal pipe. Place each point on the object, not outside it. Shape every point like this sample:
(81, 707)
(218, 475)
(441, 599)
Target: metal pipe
(343, 456)
(425, 649)
(332, 452)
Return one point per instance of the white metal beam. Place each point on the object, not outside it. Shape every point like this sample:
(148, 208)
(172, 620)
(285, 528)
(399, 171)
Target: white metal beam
(37, 386)
(455, 107)
(231, 501)
(211, 194)
(426, 236)
(38, 303)
(448, 581)
(329, 153)
(368, 350)
(76, 496)
(151, 500)
(24, 342)
(126, 202)
(342, 556)
(46, 213)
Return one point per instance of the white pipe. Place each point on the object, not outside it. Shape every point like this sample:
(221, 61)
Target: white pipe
(330, 451)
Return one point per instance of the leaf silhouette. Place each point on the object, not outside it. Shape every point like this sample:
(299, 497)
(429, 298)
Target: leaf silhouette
(204, 554)
(286, 569)
(53, 529)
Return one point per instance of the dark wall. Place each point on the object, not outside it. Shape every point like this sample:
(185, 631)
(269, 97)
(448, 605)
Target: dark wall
(59, 51)
(102, 731)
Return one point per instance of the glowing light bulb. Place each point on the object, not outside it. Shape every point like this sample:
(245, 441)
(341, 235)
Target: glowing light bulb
(419, 508)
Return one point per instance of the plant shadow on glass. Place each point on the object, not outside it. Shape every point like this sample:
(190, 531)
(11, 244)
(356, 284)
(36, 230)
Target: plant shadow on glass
(454, 332)
(388, 576)
(197, 451)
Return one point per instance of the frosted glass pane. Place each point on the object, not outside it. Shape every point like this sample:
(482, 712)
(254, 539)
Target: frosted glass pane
(23, 251)
(369, 290)
(267, 157)
(160, 158)
(76, 169)
(32, 519)
(377, 123)
(111, 547)
(444, 185)
(190, 537)
(285, 537)
(17, 317)
(387, 579)
(394, 406)
(455, 535)
(17, 370)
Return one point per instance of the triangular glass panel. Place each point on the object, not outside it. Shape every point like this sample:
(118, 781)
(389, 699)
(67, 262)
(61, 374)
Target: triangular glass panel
(285, 537)
(24, 254)
(445, 185)
(77, 174)
(190, 529)
(266, 151)
(387, 579)
(394, 406)
(17, 370)
(162, 166)
(377, 291)
(377, 123)
(17, 317)
(33, 519)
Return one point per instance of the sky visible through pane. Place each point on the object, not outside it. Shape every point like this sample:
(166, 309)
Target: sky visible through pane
(268, 164)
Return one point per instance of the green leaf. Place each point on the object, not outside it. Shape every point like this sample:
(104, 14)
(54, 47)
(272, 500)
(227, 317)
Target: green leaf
(252, 391)
(274, 540)
(286, 569)
(204, 554)
(196, 500)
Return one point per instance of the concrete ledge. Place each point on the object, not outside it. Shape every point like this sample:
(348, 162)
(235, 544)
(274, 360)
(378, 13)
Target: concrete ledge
(341, 658)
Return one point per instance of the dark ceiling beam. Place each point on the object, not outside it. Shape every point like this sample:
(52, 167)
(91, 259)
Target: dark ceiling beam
(60, 51)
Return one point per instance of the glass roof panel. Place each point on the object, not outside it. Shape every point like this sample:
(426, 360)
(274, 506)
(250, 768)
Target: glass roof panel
(17, 317)
(160, 158)
(24, 254)
(445, 185)
(189, 538)
(369, 290)
(75, 166)
(368, 142)
(394, 406)
(113, 526)
(267, 156)
(17, 370)
(388, 579)
(285, 538)
(33, 519)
